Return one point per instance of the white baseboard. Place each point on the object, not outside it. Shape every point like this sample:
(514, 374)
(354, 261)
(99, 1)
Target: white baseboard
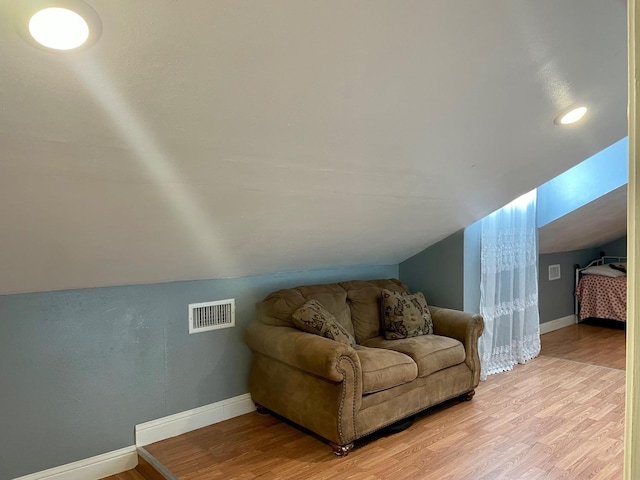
(118, 461)
(557, 324)
(93, 468)
(184, 422)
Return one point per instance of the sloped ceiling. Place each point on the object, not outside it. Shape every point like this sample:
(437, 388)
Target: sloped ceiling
(593, 225)
(210, 139)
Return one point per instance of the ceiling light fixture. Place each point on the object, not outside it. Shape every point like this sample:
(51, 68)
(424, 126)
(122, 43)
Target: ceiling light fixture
(59, 28)
(572, 116)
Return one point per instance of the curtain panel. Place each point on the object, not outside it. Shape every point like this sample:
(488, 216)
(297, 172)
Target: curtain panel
(509, 286)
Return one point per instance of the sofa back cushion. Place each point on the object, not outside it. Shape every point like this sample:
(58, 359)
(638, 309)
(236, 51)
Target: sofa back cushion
(312, 317)
(364, 298)
(277, 308)
(354, 304)
(332, 297)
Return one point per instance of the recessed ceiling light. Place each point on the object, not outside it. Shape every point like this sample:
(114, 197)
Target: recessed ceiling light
(59, 28)
(572, 116)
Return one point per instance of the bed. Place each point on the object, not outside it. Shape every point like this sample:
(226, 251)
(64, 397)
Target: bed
(601, 289)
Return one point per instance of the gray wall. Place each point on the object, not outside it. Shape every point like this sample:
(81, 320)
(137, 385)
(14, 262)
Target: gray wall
(438, 272)
(472, 236)
(617, 248)
(555, 297)
(81, 368)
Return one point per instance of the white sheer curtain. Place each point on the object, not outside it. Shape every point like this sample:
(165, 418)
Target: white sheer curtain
(509, 286)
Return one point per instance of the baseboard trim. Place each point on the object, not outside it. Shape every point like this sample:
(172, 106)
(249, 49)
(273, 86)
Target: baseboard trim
(183, 422)
(118, 461)
(92, 468)
(557, 324)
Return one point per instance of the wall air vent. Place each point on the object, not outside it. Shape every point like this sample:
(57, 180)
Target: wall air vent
(554, 272)
(212, 315)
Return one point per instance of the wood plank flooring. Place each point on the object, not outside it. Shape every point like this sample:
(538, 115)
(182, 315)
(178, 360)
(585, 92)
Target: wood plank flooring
(588, 343)
(560, 416)
(553, 418)
(128, 475)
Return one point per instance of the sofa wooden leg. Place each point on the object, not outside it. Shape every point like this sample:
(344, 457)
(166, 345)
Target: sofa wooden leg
(261, 410)
(466, 397)
(341, 450)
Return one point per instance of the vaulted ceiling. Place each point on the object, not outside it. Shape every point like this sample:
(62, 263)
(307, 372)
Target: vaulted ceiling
(209, 139)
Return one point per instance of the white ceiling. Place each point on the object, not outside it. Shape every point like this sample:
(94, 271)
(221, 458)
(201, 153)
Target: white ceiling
(592, 225)
(211, 139)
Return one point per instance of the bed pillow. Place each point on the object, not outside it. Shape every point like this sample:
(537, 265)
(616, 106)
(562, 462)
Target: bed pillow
(405, 315)
(604, 270)
(312, 317)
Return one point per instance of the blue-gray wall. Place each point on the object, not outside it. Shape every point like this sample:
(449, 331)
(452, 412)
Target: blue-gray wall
(438, 272)
(472, 238)
(81, 368)
(555, 297)
(617, 248)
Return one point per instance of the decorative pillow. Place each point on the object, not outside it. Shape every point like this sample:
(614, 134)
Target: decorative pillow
(405, 315)
(312, 317)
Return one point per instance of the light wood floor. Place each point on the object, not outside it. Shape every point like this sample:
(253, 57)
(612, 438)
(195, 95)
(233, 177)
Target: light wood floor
(128, 475)
(588, 343)
(560, 416)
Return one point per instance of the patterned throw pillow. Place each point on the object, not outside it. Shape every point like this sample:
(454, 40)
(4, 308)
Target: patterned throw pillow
(405, 315)
(312, 317)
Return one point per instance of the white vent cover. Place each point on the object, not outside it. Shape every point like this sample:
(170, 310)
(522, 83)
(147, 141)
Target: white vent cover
(554, 272)
(212, 315)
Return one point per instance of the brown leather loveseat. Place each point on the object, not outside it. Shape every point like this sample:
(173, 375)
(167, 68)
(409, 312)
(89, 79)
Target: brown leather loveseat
(344, 392)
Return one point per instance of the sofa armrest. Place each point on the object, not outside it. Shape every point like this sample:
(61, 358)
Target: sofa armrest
(306, 351)
(463, 326)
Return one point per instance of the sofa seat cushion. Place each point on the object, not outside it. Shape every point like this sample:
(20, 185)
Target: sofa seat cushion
(383, 369)
(430, 352)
